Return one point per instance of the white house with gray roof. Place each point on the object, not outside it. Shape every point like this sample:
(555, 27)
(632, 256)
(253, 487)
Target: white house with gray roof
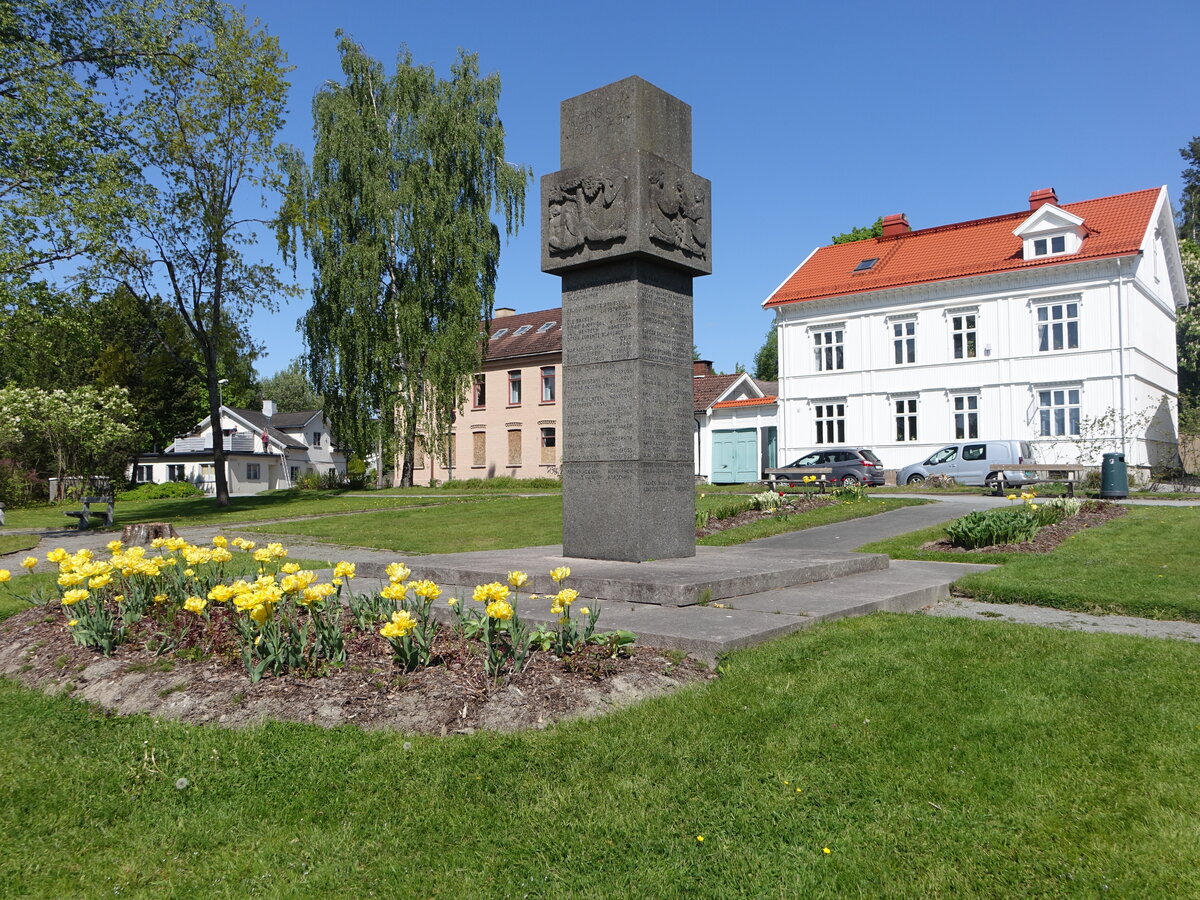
(263, 451)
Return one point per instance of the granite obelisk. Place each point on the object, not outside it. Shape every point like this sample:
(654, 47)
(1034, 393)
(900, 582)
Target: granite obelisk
(625, 223)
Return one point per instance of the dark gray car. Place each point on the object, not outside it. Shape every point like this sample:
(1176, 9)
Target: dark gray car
(851, 465)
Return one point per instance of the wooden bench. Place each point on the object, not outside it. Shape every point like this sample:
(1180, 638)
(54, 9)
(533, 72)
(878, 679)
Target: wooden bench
(1067, 475)
(795, 475)
(86, 514)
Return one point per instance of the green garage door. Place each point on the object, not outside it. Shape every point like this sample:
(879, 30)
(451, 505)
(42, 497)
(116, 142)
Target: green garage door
(734, 456)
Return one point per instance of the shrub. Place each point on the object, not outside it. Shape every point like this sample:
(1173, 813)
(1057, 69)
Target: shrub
(940, 481)
(501, 483)
(766, 500)
(168, 490)
(19, 485)
(1011, 525)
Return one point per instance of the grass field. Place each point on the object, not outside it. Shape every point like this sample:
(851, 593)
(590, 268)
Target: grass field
(13, 543)
(1143, 564)
(931, 758)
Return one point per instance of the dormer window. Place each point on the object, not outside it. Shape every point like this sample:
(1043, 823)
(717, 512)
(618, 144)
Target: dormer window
(1051, 231)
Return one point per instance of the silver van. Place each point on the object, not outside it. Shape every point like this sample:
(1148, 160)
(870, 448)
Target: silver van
(971, 463)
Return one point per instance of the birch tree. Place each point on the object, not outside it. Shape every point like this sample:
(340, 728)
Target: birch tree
(395, 212)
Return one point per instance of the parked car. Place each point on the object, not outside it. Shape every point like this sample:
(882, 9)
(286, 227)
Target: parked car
(971, 463)
(851, 465)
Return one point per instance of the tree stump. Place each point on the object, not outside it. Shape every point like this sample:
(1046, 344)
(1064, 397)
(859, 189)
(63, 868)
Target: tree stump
(146, 532)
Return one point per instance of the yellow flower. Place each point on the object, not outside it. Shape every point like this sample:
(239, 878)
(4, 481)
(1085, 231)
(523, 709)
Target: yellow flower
(344, 570)
(402, 624)
(69, 579)
(119, 598)
(290, 568)
(426, 589)
(560, 574)
(584, 611)
(220, 541)
(114, 546)
(453, 601)
(556, 609)
(1012, 496)
(262, 556)
(277, 550)
(500, 609)
(69, 598)
(57, 555)
(99, 581)
(517, 579)
(826, 850)
(1033, 506)
(189, 572)
(160, 598)
(566, 596)
(221, 593)
(195, 604)
(72, 623)
(700, 838)
(260, 613)
(5, 575)
(398, 571)
(394, 591)
(29, 562)
(221, 555)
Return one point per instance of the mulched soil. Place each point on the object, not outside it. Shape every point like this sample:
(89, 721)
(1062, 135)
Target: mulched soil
(1094, 512)
(793, 504)
(453, 696)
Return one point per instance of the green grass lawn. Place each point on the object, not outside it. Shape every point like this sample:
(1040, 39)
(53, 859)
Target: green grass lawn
(1144, 564)
(932, 757)
(14, 543)
(511, 522)
(204, 510)
(826, 515)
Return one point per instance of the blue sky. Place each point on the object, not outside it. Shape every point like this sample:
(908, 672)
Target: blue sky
(808, 118)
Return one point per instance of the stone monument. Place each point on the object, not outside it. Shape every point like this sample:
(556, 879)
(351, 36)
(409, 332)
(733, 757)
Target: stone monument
(626, 224)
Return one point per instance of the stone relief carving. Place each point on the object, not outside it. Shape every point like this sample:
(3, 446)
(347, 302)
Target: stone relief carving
(585, 211)
(678, 219)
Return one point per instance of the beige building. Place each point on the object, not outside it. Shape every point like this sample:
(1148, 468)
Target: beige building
(512, 422)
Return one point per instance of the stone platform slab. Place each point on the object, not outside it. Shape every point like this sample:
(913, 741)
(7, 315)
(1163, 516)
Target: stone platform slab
(713, 574)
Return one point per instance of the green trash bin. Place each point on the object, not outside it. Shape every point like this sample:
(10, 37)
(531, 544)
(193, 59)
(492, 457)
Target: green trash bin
(1114, 477)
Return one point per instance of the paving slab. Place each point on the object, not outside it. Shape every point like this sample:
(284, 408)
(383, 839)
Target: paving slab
(714, 573)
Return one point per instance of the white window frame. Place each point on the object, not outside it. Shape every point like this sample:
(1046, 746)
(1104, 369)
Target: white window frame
(1053, 334)
(904, 340)
(964, 415)
(964, 337)
(1060, 410)
(829, 347)
(829, 420)
(904, 411)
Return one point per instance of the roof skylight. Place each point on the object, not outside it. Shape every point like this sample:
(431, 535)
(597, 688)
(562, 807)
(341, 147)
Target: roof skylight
(499, 334)
(545, 326)
(866, 264)
(522, 330)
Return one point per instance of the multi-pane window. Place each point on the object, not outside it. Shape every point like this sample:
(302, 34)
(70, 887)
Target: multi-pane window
(142, 474)
(962, 328)
(174, 472)
(549, 441)
(1058, 412)
(906, 419)
(479, 392)
(1058, 326)
(514, 447)
(831, 422)
(253, 472)
(479, 448)
(1044, 246)
(904, 341)
(514, 387)
(828, 348)
(548, 384)
(966, 417)
(316, 439)
(294, 473)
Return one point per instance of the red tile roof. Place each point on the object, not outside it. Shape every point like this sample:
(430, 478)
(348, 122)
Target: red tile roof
(532, 342)
(708, 388)
(1115, 227)
(749, 401)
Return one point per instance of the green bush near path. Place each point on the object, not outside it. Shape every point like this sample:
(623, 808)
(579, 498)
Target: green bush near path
(1143, 564)
(931, 757)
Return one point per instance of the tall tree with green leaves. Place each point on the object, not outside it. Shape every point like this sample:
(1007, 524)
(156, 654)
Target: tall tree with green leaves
(290, 389)
(766, 361)
(395, 212)
(67, 177)
(861, 233)
(205, 133)
(1189, 201)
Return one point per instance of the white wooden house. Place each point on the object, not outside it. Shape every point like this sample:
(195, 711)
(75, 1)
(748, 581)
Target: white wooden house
(1054, 324)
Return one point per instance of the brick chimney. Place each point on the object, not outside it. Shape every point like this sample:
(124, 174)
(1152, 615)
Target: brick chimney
(1041, 197)
(503, 312)
(896, 224)
(702, 368)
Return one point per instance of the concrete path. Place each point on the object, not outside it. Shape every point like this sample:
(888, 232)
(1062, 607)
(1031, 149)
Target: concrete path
(1047, 617)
